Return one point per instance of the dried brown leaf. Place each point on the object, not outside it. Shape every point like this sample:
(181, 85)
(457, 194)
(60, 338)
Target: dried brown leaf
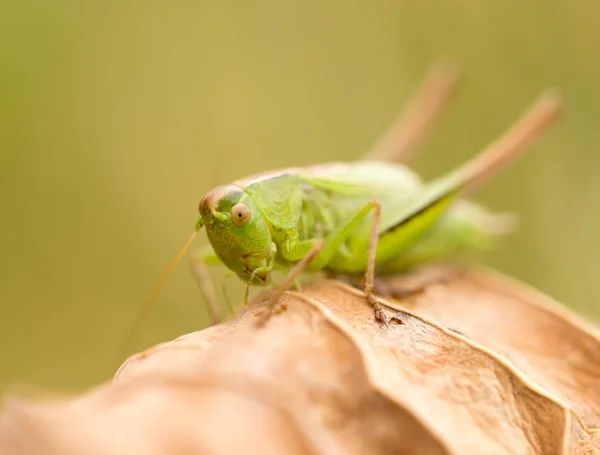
(471, 362)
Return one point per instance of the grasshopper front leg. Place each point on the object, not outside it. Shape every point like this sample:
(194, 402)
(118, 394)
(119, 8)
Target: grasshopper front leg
(315, 254)
(291, 278)
(198, 265)
(334, 244)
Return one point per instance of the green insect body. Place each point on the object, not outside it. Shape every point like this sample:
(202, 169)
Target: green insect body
(357, 218)
(289, 211)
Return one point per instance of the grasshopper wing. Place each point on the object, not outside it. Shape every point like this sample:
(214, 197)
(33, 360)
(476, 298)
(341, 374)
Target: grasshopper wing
(407, 213)
(363, 178)
(413, 215)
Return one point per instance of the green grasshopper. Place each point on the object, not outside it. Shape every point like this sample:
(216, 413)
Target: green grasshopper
(350, 218)
(358, 218)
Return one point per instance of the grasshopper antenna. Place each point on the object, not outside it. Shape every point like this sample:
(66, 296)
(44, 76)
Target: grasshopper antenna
(511, 145)
(402, 139)
(143, 313)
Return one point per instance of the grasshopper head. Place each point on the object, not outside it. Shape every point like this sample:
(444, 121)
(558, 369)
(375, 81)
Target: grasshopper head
(238, 232)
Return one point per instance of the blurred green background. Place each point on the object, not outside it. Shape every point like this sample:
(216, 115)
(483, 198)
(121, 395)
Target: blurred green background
(116, 117)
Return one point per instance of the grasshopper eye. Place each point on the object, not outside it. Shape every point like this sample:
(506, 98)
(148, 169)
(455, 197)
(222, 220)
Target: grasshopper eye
(240, 214)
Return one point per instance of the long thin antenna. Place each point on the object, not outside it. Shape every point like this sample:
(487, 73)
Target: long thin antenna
(400, 142)
(143, 313)
(511, 145)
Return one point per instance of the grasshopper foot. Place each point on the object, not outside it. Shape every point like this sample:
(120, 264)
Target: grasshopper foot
(377, 310)
(272, 309)
(278, 308)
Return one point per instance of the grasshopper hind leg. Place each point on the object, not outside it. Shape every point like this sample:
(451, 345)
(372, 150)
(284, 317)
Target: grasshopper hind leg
(370, 272)
(336, 243)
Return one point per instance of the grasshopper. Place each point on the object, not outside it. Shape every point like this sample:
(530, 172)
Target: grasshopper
(359, 218)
